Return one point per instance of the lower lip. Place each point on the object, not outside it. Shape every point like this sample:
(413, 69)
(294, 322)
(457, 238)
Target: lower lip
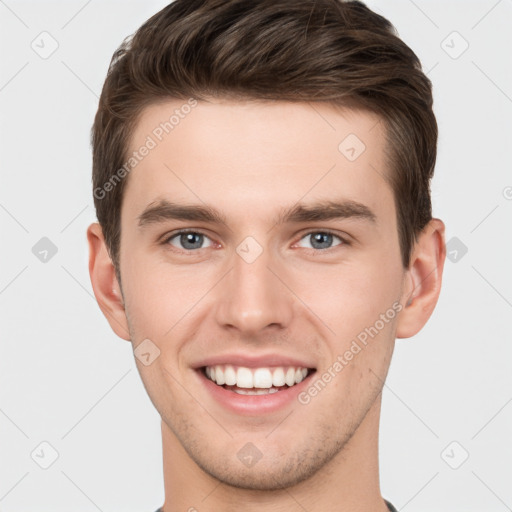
(252, 405)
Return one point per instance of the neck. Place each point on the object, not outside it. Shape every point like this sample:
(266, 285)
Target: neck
(349, 482)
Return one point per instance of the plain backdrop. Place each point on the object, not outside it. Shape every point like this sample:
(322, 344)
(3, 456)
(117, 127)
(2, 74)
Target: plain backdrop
(68, 382)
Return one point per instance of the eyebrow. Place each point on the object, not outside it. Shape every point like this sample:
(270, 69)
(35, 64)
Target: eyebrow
(321, 211)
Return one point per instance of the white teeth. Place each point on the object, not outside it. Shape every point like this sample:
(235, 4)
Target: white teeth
(256, 391)
(290, 377)
(229, 375)
(218, 375)
(265, 379)
(262, 378)
(244, 378)
(278, 377)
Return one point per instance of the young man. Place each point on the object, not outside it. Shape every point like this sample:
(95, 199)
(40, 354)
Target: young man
(261, 177)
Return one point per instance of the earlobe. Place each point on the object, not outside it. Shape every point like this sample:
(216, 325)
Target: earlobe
(104, 282)
(423, 280)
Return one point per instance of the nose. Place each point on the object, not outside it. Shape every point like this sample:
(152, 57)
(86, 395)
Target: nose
(254, 296)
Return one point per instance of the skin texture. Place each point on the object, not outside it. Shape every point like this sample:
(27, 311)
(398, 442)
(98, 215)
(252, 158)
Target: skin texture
(251, 161)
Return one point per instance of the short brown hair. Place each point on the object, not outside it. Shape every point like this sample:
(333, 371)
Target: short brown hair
(332, 51)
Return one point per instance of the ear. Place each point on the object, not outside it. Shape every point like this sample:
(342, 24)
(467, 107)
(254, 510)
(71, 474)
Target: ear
(104, 282)
(422, 280)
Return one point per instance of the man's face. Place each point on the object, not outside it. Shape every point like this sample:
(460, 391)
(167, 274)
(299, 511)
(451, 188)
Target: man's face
(262, 290)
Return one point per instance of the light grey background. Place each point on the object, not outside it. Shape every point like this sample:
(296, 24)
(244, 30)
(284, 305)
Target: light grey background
(65, 379)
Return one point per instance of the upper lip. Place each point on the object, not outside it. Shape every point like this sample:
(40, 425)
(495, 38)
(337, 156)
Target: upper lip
(254, 361)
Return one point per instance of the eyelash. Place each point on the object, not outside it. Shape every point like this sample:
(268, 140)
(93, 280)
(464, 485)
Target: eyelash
(343, 240)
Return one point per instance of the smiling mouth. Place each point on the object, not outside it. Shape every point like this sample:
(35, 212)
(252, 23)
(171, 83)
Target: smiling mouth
(256, 381)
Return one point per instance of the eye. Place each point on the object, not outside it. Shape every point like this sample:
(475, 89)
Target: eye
(188, 240)
(321, 240)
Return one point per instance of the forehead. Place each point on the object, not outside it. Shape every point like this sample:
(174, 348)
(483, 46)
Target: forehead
(255, 153)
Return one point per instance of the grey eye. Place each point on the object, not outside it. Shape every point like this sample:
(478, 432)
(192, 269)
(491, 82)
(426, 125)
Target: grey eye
(190, 240)
(320, 240)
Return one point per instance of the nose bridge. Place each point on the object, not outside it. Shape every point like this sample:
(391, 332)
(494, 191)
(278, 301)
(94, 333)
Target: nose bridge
(253, 298)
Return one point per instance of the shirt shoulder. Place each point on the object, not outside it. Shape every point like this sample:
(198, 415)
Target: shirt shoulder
(390, 506)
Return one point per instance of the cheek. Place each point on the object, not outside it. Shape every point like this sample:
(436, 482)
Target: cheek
(357, 305)
(349, 297)
(157, 298)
